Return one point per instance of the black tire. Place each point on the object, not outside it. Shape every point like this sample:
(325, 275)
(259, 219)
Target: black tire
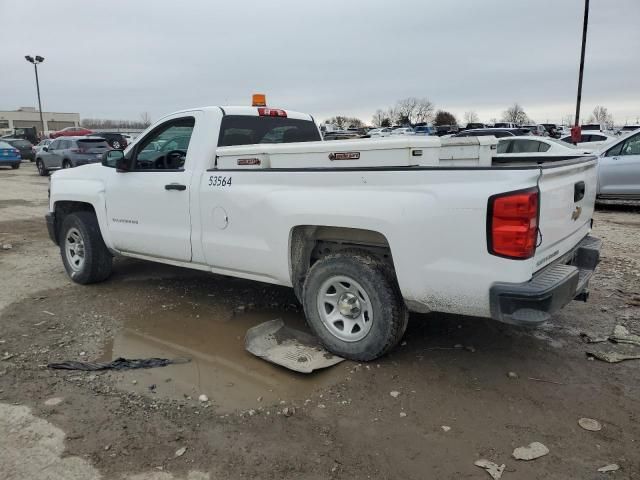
(115, 144)
(389, 313)
(66, 164)
(42, 170)
(15, 166)
(97, 261)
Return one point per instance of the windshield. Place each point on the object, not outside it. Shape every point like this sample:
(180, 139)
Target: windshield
(249, 130)
(21, 143)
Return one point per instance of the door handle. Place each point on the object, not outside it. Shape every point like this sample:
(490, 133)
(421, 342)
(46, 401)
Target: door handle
(175, 186)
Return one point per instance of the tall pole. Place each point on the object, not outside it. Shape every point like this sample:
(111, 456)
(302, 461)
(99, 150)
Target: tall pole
(35, 66)
(584, 44)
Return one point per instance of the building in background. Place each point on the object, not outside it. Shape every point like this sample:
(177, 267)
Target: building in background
(30, 117)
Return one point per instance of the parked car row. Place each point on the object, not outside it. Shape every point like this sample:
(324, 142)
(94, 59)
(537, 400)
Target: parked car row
(9, 155)
(115, 139)
(68, 152)
(25, 147)
(478, 129)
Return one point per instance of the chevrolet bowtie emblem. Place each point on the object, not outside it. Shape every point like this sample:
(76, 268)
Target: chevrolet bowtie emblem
(576, 213)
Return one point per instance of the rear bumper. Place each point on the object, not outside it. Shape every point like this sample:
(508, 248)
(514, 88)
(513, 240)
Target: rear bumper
(533, 302)
(51, 226)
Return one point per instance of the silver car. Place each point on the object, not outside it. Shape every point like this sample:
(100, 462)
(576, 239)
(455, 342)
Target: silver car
(68, 152)
(619, 168)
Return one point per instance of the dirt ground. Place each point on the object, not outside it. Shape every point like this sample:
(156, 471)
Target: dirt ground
(457, 401)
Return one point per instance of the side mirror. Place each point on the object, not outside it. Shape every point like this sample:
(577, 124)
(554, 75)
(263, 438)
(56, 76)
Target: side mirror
(45, 149)
(115, 159)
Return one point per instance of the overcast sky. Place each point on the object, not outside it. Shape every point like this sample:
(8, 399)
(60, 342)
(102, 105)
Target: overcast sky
(116, 59)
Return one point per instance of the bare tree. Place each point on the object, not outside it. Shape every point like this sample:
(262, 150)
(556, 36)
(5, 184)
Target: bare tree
(515, 114)
(471, 117)
(343, 122)
(380, 118)
(568, 119)
(425, 111)
(406, 109)
(414, 110)
(602, 116)
(393, 115)
(115, 124)
(145, 118)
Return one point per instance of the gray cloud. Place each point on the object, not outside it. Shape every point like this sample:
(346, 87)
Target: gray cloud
(119, 58)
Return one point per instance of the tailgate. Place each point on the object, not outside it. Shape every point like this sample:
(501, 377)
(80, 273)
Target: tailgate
(567, 199)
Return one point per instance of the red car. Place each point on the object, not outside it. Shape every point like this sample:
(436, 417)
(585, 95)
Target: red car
(71, 132)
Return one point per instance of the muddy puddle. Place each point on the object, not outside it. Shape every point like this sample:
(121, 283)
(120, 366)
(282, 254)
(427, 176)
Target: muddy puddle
(220, 367)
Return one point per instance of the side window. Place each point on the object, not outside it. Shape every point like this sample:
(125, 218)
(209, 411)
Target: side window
(543, 147)
(165, 147)
(615, 151)
(503, 146)
(65, 144)
(54, 145)
(524, 146)
(631, 146)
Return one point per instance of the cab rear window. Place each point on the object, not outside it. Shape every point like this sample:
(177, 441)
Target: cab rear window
(248, 130)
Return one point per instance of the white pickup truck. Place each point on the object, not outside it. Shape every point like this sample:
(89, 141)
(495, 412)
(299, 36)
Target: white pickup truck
(364, 230)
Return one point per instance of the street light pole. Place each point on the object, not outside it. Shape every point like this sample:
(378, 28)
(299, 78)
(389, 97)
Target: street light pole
(37, 60)
(584, 44)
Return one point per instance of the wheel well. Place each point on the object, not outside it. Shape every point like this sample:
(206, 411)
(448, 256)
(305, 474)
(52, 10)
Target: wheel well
(309, 243)
(64, 208)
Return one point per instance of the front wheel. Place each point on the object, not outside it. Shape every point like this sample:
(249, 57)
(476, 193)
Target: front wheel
(84, 254)
(66, 164)
(42, 170)
(353, 304)
(15, 166)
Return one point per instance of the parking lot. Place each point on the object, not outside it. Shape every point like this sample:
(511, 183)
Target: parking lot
(463, 388)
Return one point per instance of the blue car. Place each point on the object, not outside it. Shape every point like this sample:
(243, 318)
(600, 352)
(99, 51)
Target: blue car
(425, 130)
(9, 156)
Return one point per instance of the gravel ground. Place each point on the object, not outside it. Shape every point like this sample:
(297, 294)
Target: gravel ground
(457, 390)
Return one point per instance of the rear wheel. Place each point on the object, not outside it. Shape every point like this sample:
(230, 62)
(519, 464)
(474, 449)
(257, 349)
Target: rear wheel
(115, 144)
(66, 164)
(15, 166)
(42, 170)
(353, 304)
(84, 254)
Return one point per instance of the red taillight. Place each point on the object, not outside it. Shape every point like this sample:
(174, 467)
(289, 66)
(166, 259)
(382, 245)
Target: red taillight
(271, 112)
(513, 224)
